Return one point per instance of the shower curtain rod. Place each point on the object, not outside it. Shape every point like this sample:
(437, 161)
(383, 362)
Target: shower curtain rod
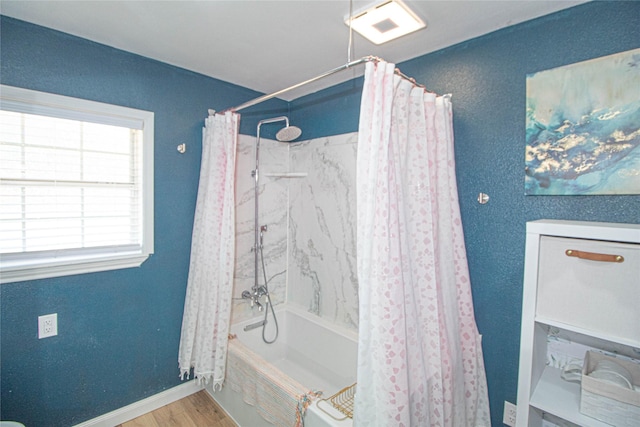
(321, 76)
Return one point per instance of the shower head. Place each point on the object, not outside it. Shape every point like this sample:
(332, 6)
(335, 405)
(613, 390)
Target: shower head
(288, 133)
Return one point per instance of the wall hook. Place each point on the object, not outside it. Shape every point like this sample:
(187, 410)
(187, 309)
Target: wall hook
(182, 148)
(483, 198)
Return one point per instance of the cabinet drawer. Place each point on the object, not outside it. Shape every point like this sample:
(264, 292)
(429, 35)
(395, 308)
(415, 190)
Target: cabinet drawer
(602, 296)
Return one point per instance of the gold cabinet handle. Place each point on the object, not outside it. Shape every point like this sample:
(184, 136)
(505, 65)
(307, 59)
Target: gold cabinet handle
(593, 256)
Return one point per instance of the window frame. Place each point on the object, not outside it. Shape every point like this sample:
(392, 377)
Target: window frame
(48, 264)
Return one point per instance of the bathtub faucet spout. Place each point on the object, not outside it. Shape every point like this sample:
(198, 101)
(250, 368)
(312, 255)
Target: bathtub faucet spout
(255, 325)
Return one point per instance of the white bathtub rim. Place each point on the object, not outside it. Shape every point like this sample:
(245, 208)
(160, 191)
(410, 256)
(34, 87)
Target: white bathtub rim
(311, 317)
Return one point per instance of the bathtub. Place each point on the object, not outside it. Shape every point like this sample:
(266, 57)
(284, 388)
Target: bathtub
(312, 351)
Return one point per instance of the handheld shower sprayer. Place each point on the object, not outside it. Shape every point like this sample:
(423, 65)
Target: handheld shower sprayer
(263, 229)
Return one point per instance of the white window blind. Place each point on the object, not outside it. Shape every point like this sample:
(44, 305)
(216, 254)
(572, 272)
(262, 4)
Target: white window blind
(76, 185)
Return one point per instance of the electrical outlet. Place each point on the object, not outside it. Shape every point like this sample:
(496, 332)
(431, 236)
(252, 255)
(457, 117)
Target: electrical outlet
(47, 325)
(509, 417)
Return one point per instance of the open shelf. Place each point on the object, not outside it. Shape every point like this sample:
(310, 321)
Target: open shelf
(586, 332)
(561, 398)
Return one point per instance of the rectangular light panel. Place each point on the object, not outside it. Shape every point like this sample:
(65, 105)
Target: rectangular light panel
(385, 21)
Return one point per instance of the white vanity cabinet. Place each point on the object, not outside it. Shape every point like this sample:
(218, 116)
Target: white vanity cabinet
(581, 281)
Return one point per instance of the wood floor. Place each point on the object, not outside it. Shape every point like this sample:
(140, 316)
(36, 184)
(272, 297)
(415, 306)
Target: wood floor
(197, 410)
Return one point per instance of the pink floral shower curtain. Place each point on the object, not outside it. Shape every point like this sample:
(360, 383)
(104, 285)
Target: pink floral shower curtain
(419, 356)
(207, 308)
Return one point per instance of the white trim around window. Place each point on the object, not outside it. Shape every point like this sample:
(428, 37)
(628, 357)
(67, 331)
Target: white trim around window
(73, 205)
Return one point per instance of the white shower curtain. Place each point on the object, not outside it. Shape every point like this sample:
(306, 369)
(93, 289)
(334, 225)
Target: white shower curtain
(207, 308)
(419, 355)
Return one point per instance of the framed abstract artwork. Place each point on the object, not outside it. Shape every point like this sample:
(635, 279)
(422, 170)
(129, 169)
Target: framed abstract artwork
(583, 128)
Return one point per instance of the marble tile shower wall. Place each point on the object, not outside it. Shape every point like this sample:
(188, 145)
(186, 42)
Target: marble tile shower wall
(322, 229)
(310, 245)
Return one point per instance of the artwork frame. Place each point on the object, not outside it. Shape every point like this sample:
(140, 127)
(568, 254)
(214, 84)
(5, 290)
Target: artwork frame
(583, 128)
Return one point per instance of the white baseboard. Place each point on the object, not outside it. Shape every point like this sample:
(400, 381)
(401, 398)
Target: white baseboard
(143, 406)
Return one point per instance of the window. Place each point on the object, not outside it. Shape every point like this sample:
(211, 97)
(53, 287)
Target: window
(76, 185)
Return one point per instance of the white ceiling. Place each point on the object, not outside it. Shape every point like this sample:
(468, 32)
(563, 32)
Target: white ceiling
(267, 45)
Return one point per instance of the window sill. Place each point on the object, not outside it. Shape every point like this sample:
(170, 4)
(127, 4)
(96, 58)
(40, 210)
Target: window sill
(46, 269)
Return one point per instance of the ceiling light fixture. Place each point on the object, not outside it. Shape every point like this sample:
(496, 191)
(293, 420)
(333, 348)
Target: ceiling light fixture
(385, 21)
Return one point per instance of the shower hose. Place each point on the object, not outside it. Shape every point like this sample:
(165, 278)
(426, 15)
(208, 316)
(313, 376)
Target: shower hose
(269, 305)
